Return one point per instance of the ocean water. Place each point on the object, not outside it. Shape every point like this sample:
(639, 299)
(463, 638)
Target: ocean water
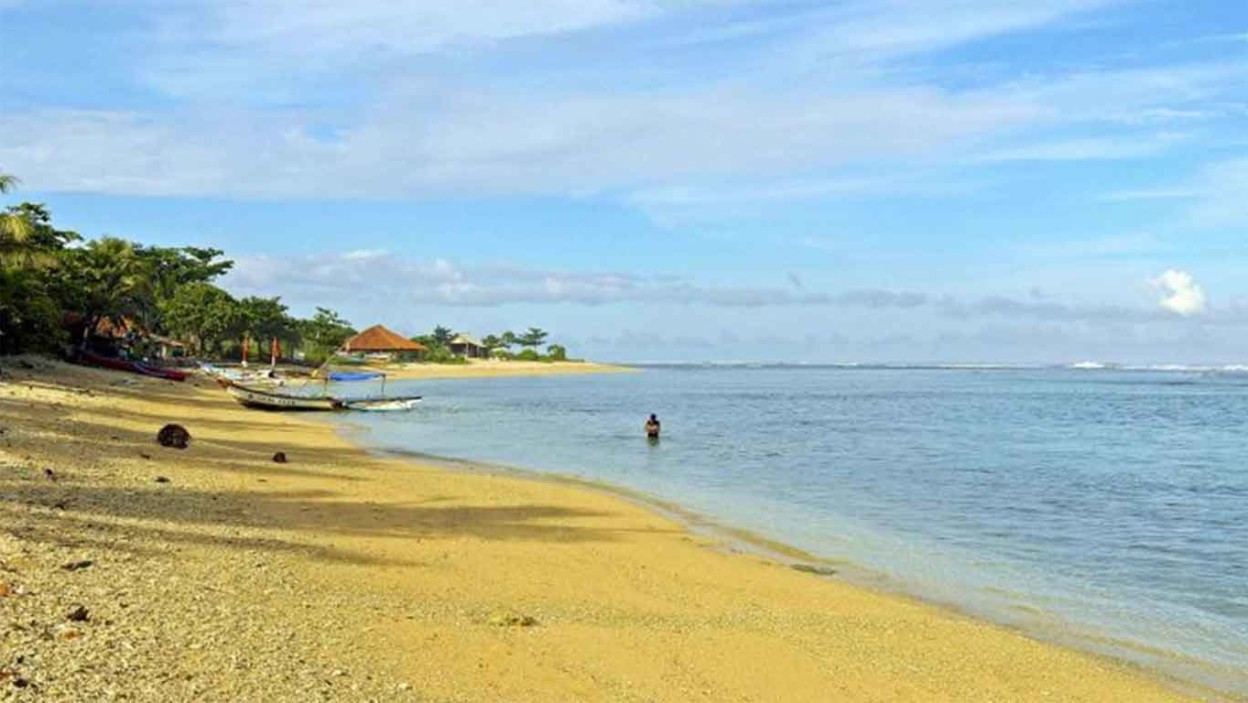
(1102, 508)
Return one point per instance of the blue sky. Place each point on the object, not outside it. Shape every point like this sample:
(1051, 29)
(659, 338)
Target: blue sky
(904, 180)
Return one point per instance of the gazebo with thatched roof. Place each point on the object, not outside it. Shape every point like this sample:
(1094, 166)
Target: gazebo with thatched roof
(379, 340)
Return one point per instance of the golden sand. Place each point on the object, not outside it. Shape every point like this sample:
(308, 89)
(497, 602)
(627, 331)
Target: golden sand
(340, 576)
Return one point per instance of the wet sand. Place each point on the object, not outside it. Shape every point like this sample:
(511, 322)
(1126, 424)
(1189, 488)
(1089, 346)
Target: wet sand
(217, 574)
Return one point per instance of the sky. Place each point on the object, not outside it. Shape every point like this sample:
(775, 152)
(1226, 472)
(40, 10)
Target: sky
(967, 181)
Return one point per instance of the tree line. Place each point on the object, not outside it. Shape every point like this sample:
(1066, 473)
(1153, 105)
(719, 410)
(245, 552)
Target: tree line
(438, 345)
(56, 288)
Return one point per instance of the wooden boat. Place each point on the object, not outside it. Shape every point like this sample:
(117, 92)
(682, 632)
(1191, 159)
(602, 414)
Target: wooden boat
(383, 404)
(266, 399)
(109, 362)
(223, 376)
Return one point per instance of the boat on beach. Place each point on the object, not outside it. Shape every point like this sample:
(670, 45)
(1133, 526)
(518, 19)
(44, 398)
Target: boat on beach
(117, 364)
(265, 399)
(271, 399)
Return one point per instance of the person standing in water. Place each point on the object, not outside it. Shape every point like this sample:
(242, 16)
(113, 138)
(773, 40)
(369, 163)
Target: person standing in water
(653, 426)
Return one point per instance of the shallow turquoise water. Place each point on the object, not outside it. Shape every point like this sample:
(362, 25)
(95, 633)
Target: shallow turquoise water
(1104, 508)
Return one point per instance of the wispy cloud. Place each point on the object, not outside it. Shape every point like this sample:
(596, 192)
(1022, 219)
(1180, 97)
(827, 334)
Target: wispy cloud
(1087, 149)
(397, 280)
(883, 30)
(491, 145)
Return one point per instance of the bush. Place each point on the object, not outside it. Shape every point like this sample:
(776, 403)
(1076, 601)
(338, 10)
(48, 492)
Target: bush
(527, 355)
(442, 355)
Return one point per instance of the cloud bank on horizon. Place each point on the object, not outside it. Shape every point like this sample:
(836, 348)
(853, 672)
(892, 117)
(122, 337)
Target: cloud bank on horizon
(969, 179)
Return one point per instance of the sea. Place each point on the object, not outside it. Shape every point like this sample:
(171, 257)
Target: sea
(1098, 507)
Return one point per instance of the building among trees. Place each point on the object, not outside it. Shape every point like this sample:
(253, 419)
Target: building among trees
(379, 342)
(467, 347)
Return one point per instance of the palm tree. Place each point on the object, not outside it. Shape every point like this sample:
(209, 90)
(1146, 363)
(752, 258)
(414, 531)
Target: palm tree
(534, 337)
(14, 229)
(109, 280)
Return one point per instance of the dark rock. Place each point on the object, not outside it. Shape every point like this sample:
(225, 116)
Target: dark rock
(78, 614)
(162, 479)
(279, 458)
(509, 620)
(50, 474)
(20, 682)
(145, 455)
(76, 565)
(174, 436)
(814, 569)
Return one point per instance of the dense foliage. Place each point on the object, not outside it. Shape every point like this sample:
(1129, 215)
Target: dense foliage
(59, 291)
(438, 344)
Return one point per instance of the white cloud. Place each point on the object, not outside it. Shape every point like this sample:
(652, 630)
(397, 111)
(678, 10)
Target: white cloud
(389, 280)
(1183, 295)
(1086, 149)
(395, 280)
(881, 30)
(317, 27)
(494, 144)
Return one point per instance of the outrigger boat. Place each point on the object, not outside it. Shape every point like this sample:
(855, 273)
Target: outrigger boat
(265, 399)
(383, 404)
(269, 399)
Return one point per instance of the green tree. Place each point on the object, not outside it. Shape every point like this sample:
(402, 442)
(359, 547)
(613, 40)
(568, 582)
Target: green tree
(533, 338)
(443, 335)
(106, 279)
(38, 242)
(30, 315)
(12, 228)
(266, 318)
(324, 333)
(31, 306)
(491, 342)
(509, 339)
(174, 267)
(557, 352)
(205, 316)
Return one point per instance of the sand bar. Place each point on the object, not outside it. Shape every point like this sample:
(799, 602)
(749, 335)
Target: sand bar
(217, 574)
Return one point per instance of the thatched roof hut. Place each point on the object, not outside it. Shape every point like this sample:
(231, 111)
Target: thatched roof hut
(378, 339)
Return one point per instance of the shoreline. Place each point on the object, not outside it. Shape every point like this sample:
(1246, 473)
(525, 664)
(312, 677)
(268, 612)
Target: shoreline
(357, 576)
(722, 537)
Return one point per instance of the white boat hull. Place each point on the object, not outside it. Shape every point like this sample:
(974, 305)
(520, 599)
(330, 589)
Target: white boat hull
(396, 405)
(265, 400)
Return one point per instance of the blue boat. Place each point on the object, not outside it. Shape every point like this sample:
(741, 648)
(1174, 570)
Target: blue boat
(354, 375)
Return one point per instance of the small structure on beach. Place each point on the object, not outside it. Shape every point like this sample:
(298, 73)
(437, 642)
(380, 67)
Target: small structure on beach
(467, 347)
(124, 333)
(379, 342)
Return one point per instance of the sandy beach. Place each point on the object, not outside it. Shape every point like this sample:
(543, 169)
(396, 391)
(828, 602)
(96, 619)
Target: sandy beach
(134, 572)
